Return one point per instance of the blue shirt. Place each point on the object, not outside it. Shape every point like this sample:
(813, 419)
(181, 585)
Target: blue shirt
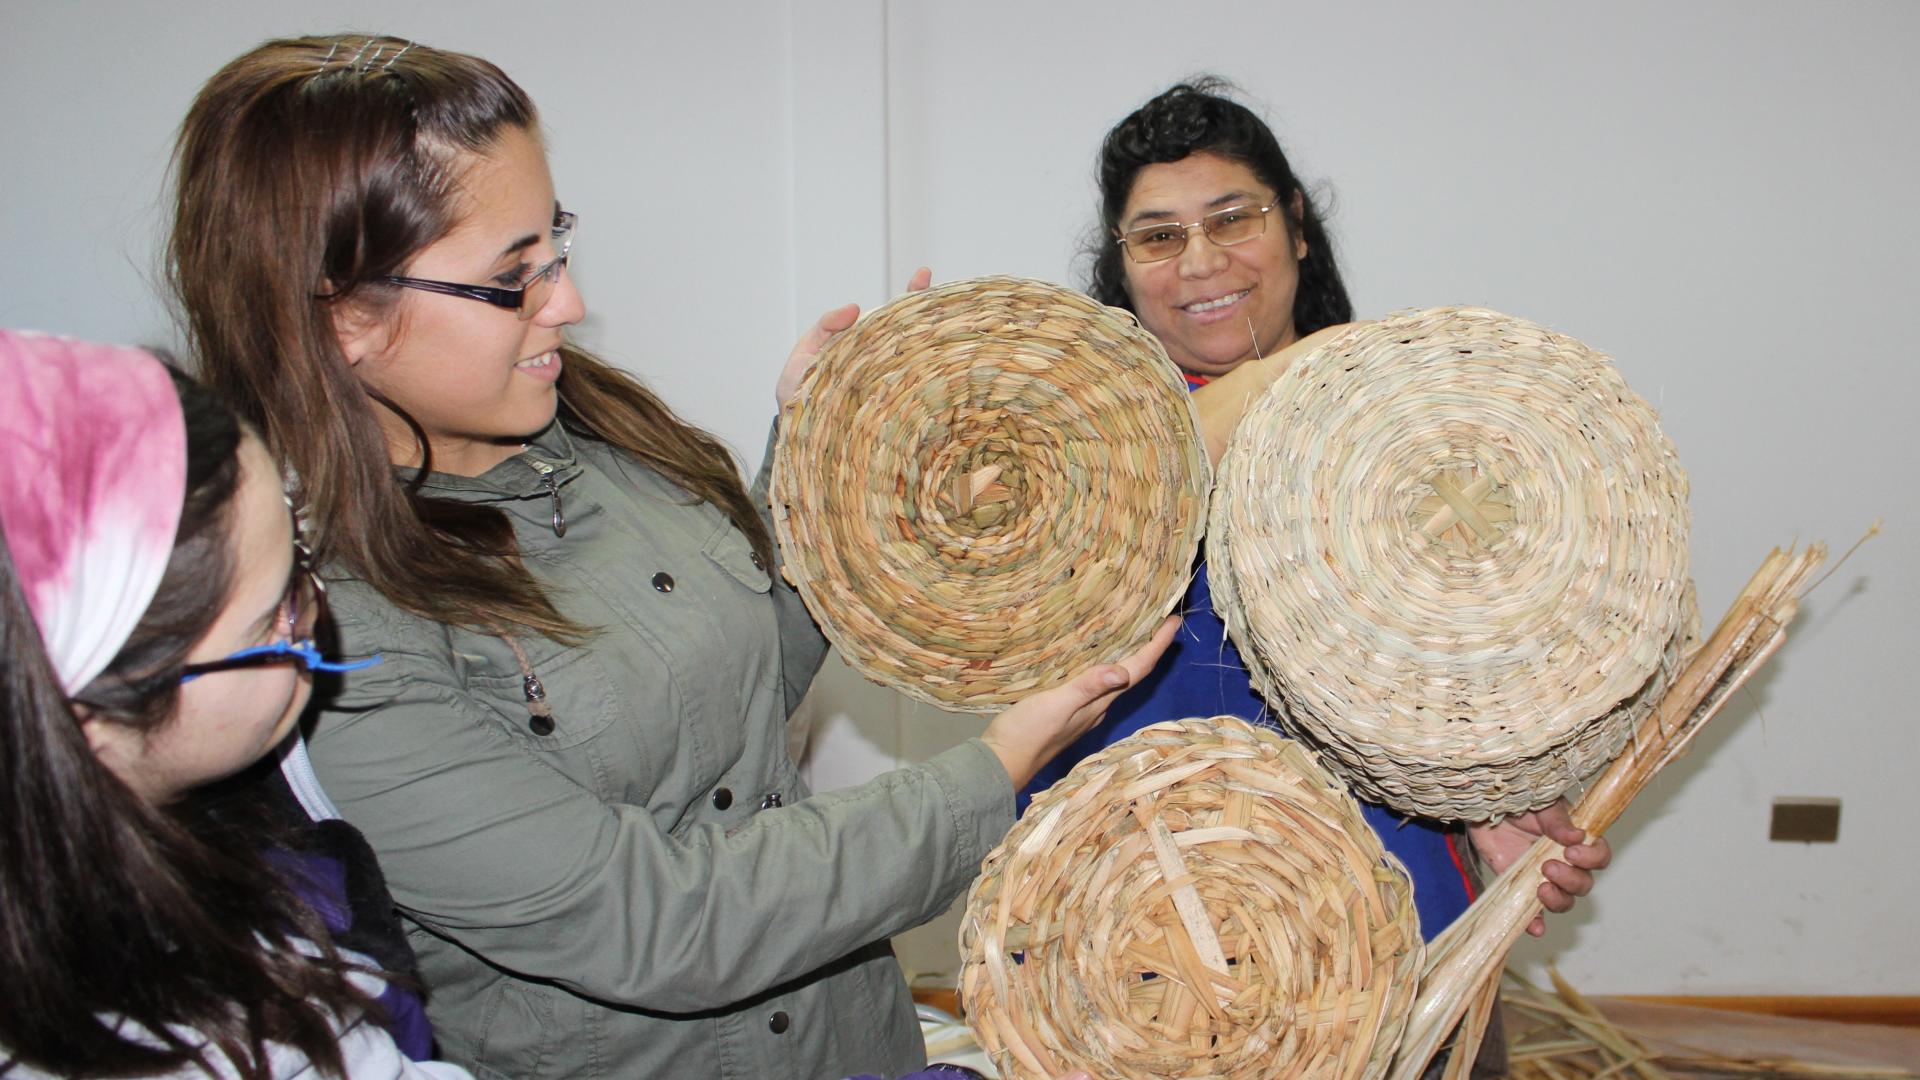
(1202, 675)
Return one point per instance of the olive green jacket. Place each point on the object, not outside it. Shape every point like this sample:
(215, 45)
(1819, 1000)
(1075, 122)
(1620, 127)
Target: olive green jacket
(648, 889)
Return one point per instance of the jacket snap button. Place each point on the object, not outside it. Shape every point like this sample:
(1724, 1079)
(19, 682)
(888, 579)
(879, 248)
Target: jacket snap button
(770, 802)
(778, 1023)
(722, 798)
(663, 582)
(758, 562)
(540, 725)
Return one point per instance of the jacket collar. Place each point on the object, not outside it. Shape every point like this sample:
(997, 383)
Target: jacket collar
(521, 476)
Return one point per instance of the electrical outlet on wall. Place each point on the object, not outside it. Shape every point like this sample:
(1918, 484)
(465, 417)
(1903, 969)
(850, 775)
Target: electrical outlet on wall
(1805, 820)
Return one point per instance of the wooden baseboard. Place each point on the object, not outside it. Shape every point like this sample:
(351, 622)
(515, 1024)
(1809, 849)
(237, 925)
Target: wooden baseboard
(1846, 1009)
(940, 997)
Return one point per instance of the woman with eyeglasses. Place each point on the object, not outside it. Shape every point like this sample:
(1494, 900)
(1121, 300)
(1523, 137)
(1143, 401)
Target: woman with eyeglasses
(572, 760)
(154, 642)
(1210, 239)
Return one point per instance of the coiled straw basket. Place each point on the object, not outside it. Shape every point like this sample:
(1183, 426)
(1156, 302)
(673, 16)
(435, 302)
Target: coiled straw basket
(1199, 899)
(1453, 546)
(987, 486)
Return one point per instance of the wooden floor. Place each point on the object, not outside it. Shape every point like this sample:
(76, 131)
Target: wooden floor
(1838, 1032)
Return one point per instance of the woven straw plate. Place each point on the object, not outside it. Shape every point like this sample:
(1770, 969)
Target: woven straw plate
(1452, 547)
(987, 486)
(1199, 899)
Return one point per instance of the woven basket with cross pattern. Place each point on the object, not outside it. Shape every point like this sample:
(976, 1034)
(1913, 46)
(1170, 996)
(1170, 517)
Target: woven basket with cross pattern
(985, 487)
(1452, 547)
(1200, 899)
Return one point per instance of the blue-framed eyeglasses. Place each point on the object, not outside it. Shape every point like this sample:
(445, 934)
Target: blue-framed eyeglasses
(302, 652)
(534, 291)
(305, 599)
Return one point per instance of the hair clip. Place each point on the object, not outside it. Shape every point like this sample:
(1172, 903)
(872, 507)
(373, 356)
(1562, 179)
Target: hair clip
(297, 510)
(388, 66)
(329, 59)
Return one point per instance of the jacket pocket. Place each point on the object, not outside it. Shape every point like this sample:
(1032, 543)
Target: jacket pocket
(576, 689)
(517, 1029)
(731, 551)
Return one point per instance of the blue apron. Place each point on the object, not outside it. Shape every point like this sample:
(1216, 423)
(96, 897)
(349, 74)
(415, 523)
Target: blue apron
(1202, 675)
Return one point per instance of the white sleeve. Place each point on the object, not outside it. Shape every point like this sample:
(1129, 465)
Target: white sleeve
(369, 1054)
(365, 1048)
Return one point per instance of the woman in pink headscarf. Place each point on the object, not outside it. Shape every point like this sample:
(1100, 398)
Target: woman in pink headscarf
(155, 639)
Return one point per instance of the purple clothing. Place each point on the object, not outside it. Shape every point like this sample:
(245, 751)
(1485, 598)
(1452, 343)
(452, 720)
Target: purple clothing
(321, 881)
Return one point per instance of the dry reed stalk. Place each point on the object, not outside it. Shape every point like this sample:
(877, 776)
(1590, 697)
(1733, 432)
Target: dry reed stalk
(1561, 1036)
(987, 486)
(1468, 956)
(1472, 1032)
(1452, 547)
(1200, 899)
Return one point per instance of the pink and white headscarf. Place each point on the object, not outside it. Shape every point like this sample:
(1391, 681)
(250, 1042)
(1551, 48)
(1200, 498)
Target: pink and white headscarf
(93, 472)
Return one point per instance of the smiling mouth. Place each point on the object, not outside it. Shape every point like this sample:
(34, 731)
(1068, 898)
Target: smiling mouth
(545, 359)
(1215, 305)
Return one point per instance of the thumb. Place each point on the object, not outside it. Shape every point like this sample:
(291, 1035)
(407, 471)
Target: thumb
(832, 323)
(1090, 686)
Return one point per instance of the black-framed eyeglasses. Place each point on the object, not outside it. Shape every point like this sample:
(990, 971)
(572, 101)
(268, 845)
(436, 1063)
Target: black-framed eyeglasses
(534, 291)
(1164, 239)
(301, 610)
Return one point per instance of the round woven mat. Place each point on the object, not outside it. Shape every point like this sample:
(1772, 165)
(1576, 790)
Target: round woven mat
(1453, 546)
(985, 487)
(1200, 899)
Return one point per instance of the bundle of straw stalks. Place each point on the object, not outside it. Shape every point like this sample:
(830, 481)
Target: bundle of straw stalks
(1563, 1036)
(1462, 973)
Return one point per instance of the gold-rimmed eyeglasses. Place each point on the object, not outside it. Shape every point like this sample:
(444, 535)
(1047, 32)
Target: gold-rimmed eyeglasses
(1163, 240)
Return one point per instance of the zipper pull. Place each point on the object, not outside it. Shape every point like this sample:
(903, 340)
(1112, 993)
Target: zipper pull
(553, 489)
(539, 713)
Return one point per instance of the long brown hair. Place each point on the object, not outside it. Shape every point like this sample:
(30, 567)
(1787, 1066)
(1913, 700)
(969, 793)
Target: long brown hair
(114, 909)
(307, 170)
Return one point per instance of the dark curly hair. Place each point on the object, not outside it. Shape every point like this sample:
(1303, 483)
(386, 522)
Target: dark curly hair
(1198, 117)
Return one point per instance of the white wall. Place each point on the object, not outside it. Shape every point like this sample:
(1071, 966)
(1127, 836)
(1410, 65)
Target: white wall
(670, 127)
(1716, 193)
